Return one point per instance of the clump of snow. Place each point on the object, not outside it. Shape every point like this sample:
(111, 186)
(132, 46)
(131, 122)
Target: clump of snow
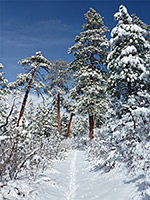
(123, 13)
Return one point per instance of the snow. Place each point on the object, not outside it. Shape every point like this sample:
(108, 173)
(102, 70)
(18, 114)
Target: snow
(72, 179)
(2, 138)
(129, 50)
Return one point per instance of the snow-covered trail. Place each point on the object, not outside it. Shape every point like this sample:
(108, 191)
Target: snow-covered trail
(71, 179)
(72, 182)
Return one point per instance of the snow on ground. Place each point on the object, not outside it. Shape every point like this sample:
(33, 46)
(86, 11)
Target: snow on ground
(71, 179)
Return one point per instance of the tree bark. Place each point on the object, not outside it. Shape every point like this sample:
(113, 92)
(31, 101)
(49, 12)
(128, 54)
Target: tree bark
(58, 112)
(91, 120)
(26, 97)
(94, 123)
(91, 127)
(69, 125)
(58, 105)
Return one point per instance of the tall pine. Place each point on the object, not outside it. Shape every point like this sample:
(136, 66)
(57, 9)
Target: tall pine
(90, 53)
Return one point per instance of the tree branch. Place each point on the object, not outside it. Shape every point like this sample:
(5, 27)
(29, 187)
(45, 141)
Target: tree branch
(7, 118)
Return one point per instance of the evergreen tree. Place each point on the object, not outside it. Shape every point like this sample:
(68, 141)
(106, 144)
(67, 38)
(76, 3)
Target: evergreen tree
(33, 78)
(90, 53)
(79, 126)
(41, 120)
(4, 91)
(58, 79)
(3, 84)
(64, 123)
(127, 58)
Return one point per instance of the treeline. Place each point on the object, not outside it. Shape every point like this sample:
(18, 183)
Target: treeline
(103, 71)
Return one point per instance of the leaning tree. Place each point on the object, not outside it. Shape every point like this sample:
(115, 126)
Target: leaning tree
(32, 78)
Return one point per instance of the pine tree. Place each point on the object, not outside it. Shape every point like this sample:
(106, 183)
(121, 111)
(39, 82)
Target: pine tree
(127, 58)
(3, 84)
(146, 74)
(34, 78)
(41, 121)
(90, 53)
(79, 126)
(4, 91)
(64, 123)
(58, 80)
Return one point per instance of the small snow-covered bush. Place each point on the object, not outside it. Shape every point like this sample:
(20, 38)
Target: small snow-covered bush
(31, 147)
(22, 155)
(101, 151)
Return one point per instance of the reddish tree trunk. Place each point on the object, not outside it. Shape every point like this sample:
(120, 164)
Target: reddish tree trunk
(91, 126)
(58, 112)
(69, 125)
(25, 98)
(91, 120)
(94, 123)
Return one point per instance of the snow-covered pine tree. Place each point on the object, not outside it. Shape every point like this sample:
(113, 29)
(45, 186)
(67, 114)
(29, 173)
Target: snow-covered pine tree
(33, 78)
(146, 74)
(127, 58)
(58, 85)
(41, 120)
(90, 53)
(64, 123)
(79, 126)
(4, 91)
(3, 84)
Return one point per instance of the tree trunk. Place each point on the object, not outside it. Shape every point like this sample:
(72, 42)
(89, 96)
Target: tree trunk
(94, 123)
(58, 112)
(91, 120)
(91, 126)
(58, 105)
(69, 125)
(26, 97)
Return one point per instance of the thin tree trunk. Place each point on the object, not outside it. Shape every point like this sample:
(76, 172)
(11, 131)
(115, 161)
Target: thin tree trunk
(94, 123)
(91, 120)
(69, 125)
(25, 98)
(58, 112)
(91, 127)
(58, 105)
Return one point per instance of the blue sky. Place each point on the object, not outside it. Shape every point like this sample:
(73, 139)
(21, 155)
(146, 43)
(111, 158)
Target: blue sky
(51, 26)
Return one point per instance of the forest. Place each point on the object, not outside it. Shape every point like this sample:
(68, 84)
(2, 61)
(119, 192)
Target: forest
(99, 103)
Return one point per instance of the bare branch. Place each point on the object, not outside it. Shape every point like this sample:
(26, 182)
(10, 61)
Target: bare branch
(7, 118)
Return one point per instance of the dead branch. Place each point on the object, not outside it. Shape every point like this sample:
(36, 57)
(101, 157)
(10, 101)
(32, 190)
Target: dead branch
(7, 118)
